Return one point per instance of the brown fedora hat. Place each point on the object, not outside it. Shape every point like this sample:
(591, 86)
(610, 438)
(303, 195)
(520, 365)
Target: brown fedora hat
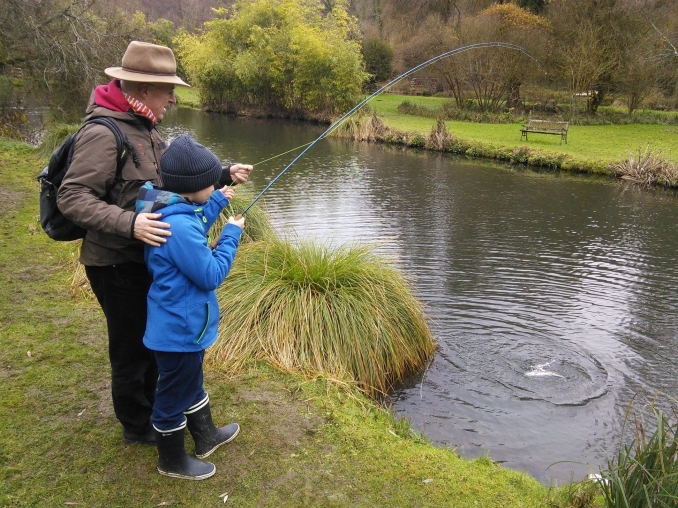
(148, 63)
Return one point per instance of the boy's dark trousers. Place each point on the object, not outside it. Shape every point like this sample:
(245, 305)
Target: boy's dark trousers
(121, 291)
(180, 386)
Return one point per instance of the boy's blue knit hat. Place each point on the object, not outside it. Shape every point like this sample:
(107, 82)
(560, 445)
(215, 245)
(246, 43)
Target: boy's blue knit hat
(187, 166)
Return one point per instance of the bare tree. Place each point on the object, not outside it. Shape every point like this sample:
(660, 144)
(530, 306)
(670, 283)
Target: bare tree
(494, 76)
(447, 10)
(61, 46)
(592, 41)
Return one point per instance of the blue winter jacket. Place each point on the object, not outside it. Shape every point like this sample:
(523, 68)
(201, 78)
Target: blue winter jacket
(183, 313)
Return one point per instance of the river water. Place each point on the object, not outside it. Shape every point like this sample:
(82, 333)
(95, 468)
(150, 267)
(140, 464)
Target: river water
(552, 298)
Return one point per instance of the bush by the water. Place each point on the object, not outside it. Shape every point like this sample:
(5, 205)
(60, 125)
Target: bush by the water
(307, 308)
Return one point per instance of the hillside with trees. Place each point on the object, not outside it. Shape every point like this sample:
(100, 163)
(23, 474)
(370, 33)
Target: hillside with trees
(620, 52)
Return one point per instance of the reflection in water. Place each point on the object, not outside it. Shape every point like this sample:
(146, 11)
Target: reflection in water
(520, 273)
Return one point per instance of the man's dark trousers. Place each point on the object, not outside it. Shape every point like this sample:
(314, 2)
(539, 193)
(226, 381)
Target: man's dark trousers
(121, 291)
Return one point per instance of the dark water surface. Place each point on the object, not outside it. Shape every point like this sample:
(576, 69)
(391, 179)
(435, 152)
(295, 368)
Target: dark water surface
(553, 299)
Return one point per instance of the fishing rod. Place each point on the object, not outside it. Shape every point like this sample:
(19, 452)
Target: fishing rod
(387, 85)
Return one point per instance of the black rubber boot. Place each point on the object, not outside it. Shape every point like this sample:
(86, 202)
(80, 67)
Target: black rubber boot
(175, 462)
(130, 437)
(207, 437)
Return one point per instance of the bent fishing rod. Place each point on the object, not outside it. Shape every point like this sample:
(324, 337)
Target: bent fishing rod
(382, 89)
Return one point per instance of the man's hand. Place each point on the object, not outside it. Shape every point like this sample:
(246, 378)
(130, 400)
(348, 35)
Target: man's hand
(240, 172)
(149, 230)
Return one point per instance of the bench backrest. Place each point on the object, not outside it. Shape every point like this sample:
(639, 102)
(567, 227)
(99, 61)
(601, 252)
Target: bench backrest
(547, 125)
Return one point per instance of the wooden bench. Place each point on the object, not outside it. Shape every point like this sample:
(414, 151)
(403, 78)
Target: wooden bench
(545, 127)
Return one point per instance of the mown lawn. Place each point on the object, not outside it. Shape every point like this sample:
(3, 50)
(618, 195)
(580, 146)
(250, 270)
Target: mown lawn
(603, 143)
(303, 443)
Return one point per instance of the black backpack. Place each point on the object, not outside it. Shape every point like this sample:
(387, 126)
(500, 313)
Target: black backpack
(52, 221)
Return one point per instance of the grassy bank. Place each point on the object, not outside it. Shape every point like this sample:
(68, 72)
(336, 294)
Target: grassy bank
(304, 443)
(589, 148)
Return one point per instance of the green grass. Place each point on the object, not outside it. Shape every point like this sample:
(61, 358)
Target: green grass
(188, 97)
(303, 443)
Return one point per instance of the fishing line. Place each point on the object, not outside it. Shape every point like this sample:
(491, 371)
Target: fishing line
(284, 153)
(387, 85)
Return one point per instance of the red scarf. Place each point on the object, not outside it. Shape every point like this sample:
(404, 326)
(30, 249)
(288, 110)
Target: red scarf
(141, 109)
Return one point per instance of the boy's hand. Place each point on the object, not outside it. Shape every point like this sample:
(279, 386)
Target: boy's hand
(239, 222)
(229, 192)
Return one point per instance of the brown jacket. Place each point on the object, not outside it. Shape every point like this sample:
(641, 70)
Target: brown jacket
(92, 197)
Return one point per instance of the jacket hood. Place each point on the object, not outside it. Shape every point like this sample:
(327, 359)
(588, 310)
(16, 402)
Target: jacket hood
(152, 199)
(110, 96)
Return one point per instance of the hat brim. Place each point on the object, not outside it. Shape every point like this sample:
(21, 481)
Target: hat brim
(140, 77)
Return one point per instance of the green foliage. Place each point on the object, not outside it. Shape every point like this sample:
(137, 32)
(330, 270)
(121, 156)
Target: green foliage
(303, 307)
(378, 56)
(282, 56)
(585, 494)
(163, 32)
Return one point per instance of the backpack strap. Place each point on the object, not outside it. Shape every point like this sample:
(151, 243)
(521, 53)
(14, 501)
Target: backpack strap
(124, 146)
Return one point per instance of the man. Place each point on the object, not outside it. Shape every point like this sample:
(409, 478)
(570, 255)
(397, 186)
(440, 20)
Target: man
(95, 196)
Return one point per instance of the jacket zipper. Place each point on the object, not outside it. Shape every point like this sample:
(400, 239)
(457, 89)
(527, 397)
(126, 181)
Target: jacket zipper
(155, 157)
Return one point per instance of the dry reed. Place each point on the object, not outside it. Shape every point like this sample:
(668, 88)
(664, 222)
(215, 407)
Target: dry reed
(362, 128)
(648, 169)
(439, 138)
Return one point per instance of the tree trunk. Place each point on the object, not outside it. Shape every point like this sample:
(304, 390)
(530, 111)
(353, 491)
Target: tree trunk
(595, 101)
(513, 99)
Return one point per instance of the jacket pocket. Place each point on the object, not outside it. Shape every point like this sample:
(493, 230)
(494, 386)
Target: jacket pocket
(207, 323)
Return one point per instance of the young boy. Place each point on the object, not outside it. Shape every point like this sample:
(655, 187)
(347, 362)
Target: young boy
(183, 313)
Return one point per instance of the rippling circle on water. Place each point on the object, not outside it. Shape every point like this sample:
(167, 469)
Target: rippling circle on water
(562, 376)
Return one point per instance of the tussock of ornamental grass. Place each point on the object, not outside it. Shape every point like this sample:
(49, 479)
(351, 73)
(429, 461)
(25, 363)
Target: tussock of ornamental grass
(306, 308)
(257, 222)
(79, 283)
(439, 138)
